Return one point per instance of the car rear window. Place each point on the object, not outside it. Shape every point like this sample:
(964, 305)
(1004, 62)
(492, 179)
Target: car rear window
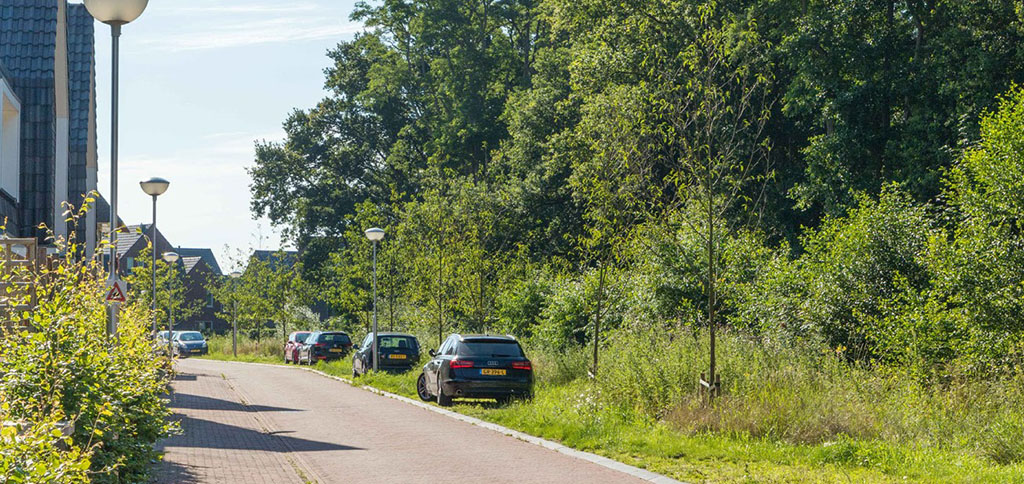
(301, 337)
(490, 348)
(190, 337)
(334, 338)
(397, 342)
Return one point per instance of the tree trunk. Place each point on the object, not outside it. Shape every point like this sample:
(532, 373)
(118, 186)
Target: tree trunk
(597, 316)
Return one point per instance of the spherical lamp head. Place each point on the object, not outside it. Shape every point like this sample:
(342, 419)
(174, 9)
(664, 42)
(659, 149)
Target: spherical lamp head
(155, 186)
(171, 257)
(115, 12)
(375, 234)
(235, 275)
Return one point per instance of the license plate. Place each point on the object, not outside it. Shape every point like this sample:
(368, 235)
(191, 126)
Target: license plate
(337, 350)
(492, 372)
(397, 357)
(196, 351)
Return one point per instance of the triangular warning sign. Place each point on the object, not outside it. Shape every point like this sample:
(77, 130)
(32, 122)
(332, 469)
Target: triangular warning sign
(116, 294)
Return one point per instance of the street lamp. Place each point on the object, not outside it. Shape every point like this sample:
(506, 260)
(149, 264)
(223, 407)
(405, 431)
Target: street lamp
(375, 235)
(170, 258)
(114, 13)
(234, 318)
(154, 187)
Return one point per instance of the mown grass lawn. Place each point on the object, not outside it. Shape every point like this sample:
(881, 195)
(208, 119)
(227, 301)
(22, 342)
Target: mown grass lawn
(566, 413)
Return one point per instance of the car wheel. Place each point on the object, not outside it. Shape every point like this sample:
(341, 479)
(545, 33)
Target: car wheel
(421, 388)
(442, 399)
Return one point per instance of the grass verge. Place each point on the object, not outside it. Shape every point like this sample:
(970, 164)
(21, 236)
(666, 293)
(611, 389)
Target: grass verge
(573, 411)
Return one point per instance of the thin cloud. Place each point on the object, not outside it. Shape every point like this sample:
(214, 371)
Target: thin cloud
(279, 30)
(243, 9)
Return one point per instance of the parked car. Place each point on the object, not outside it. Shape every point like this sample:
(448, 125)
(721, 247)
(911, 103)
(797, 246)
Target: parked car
(398, 353)
(476, 366)
(161, 342)
(324, 346)
(291, 348)
(190, 343)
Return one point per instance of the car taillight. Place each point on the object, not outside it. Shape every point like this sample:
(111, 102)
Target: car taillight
(522, 365)
(460, 364)
(321, 345)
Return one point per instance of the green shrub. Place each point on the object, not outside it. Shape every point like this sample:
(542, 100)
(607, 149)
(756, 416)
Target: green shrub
(34, 453)
(66, 365)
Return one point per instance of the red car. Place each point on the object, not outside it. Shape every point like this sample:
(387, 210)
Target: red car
(291, 348)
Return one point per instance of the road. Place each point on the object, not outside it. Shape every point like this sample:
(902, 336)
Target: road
(255, 424)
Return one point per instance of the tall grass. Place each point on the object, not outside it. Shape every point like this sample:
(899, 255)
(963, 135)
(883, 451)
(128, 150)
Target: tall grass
(802, 394)
(248, 348)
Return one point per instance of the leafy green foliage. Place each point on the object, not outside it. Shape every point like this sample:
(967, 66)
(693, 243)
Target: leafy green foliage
(66, 367)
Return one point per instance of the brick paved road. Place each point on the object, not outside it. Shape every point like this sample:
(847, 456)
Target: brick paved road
(252, 424)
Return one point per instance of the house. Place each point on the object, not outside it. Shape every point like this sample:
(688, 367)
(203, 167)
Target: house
(48, 150)
(198, 275)
(198, 265)
(132, 240)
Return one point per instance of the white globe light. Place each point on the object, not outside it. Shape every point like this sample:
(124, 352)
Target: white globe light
(375, 234)
(155, 186)
(116, 12)
(171, 257)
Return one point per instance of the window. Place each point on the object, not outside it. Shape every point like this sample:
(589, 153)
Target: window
(449, 346)
(490, 348)
(209, 300)
(129, 263)
(397, 342)
(334, 338)
(205, 326)
(10, 141)
(368, 340)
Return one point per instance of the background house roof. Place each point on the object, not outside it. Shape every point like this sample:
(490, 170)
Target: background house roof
(133, 235)
(205, 254)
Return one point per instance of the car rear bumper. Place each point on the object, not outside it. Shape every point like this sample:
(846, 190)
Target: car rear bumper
(487, 388)
(395, 368)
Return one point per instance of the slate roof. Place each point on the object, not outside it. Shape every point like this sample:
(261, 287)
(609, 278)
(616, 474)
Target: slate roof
(82, 87)
(205, 254)
(28, 36)
(138, 234)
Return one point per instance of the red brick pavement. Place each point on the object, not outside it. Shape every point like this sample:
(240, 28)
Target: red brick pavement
(224, 440)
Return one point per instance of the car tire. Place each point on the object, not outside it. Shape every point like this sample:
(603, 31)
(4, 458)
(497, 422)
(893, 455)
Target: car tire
(442, 399)
(421, 388)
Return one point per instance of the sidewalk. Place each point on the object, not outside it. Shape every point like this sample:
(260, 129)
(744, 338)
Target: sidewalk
(223, 441)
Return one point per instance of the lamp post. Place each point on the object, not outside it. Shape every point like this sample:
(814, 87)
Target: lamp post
(154, 187)
(114, 13)
(234, 318)
(170, 258)
(375, 235)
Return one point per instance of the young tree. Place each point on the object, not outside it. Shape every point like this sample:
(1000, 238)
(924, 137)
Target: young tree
(171, 301)
(717, 103)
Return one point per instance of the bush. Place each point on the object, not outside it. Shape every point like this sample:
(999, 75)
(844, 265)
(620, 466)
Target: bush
(66, 365)
(33, 453)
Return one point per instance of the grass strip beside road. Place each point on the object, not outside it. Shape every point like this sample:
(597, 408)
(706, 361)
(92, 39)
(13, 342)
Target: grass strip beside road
(565, 413)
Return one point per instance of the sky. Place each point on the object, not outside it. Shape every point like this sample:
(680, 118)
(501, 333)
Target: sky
(201, 80)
